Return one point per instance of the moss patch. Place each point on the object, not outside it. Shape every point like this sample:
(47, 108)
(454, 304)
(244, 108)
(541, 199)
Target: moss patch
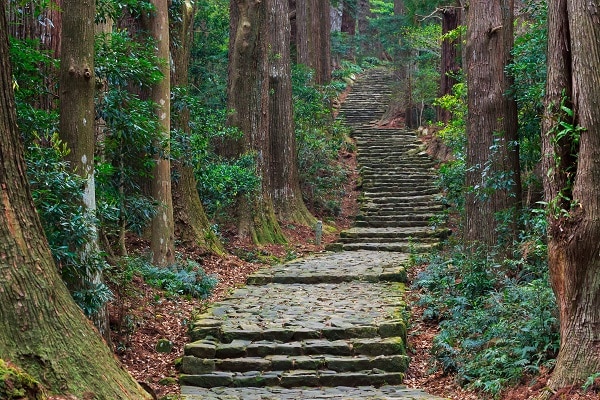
(17, 384)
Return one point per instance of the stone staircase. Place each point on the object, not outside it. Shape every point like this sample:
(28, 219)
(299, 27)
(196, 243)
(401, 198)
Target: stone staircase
(330, 326)
(399, 197)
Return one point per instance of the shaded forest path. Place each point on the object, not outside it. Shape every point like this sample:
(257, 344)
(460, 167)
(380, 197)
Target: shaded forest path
(331, 326)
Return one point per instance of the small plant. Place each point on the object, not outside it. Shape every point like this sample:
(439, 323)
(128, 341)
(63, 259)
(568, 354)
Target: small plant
(590, 382)
(186, 277)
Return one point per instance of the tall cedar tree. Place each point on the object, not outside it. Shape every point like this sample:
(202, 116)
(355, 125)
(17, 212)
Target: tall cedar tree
(248, 98)
(41, 328)
(571, 184)
(285, 187)
(76, 83)
(450, 59)
(162, 244)
(493, 173)
(191, 222)
(313, 33)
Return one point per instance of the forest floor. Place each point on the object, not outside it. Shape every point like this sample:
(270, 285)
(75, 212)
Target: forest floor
(143, 315)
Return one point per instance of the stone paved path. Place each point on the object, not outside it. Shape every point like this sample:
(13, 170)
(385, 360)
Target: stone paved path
(331, 326)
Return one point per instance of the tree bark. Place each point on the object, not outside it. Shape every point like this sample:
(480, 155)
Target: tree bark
(41, 329)
(285, 188)
(450, 65)
(162, 241)
(77, 84)
(191, 223)
(349, 17)
(313, 34)
(571, 185)
(248, 98)
(492, 159)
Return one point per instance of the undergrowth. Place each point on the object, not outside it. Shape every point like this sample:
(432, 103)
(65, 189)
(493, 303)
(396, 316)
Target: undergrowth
(185, 277)
(498, 319)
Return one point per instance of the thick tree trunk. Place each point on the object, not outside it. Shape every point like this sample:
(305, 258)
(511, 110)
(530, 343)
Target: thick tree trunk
(571, 186)
(248, 98)
(41, 328)
(493, 173)
(285, 186)
(191, 223)
(313, 34)
(77, 84)
(162, 241)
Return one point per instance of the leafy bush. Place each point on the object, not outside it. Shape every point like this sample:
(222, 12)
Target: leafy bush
(57, 195)
(130, 135)
(186, 277)
(221, 181)
(498, 319)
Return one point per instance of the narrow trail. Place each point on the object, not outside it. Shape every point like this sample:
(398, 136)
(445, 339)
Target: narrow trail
(332, 326)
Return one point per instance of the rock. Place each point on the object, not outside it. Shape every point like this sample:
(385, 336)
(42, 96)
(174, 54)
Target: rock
(163, 346)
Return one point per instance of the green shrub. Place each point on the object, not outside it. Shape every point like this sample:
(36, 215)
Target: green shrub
(185, 277)
(57, 195)
(498, 320)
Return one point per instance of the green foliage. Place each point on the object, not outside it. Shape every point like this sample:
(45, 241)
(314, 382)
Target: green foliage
(114, 10)
(220, 181)
(122, 61)
(185, 277)
(130, 135)
(528, 69)
(498, 319)
(453, 134)
(57, 195)
(34, 82)
(320, 139)
(208, 69)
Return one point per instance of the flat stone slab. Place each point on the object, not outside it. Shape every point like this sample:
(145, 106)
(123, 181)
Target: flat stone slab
(278, 393)
(300, 312)
(370, 266)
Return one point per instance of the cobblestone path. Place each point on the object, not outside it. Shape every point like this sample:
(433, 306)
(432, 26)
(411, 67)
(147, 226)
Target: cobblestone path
(331, 326)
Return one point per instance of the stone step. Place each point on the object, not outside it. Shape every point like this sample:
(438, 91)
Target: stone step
(400, 192)
(323, 269)
(283, 362)
(389, 234)
(406, 247)
(385, 392)
(290, 379)
(371, 223)
(296, 312)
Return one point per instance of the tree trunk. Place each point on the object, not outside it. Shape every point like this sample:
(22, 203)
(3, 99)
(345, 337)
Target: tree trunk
(77, 126)
(41, 328)
(313, 34)
(191, 223)
(349, 17)
(450, 66)
(399, 7)
(571, 186)
(492, 160)
(162, 241)
(248, 98)
(285, 187)
(363, 14)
